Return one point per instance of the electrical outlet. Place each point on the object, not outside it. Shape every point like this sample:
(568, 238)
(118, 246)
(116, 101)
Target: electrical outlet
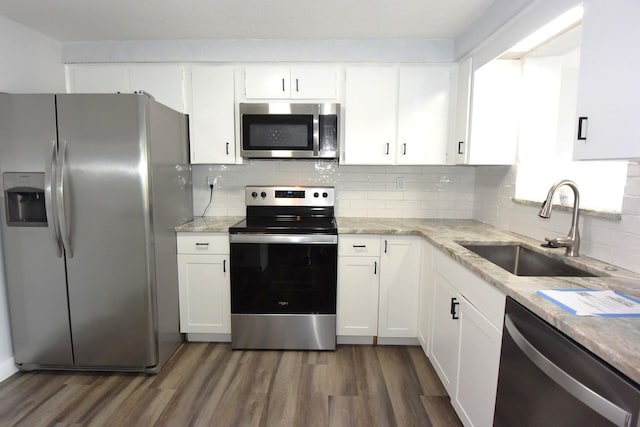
(213, 180)
(400, 182)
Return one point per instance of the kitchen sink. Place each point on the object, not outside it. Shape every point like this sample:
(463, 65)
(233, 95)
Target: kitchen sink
(522, 261)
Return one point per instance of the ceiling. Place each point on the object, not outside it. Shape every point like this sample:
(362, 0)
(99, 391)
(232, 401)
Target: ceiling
(100, 20)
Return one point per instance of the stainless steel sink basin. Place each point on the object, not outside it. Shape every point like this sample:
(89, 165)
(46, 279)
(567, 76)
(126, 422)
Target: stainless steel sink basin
(522, 261)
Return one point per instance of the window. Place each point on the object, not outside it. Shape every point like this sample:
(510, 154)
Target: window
(549, 90)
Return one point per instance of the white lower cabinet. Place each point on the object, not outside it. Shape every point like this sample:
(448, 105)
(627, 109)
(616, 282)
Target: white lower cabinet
(358, 283)
(466, 339)
(203, 282)
(445, 336)
(399, 281)
(378, 278)
(478, 363)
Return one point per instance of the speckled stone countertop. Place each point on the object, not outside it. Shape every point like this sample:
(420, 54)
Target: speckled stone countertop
(210, 224)
(616, 340)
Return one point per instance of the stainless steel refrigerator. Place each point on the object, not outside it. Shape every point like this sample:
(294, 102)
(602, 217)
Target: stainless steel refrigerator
(92, 188)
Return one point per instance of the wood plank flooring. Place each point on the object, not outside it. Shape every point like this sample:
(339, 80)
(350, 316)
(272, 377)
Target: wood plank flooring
(208, 384)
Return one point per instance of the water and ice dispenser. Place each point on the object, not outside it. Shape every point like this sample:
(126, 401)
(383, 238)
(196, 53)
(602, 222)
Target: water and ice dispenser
(24, 199)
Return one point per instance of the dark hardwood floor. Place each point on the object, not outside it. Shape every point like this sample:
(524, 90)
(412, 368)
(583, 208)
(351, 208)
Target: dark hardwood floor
(208, 384)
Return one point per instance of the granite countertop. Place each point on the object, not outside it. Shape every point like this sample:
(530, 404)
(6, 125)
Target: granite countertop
(616, 340)
(210, 224)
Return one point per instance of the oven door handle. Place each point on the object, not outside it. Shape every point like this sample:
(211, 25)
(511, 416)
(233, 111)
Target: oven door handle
(309, 239)
(584, 394)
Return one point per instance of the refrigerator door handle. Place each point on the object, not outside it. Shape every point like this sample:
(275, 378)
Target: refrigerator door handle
(49, 201)
(62, 217)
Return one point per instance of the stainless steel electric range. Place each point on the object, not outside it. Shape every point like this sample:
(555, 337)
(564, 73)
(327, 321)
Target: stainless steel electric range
(284, 270)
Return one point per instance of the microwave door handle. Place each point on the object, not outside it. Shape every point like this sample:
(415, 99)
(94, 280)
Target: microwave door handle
(316, 131)
(584, 394)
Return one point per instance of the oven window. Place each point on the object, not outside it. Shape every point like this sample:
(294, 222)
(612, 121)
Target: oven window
(277, 132)
(283, 278)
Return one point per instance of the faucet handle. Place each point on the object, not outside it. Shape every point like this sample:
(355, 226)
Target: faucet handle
(551, 243)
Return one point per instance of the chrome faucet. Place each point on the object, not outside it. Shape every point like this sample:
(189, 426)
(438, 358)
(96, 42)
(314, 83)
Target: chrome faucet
(572, 241)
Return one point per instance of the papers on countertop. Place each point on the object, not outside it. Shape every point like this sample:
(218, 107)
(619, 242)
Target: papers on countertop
(585, 302)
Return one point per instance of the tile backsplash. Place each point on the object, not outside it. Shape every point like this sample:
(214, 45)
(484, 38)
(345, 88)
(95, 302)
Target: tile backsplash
(367, 191)
(483, 193)
(613, 241)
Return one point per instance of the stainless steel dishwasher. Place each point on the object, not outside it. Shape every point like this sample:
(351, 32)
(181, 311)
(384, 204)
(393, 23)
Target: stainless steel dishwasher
(546, 379)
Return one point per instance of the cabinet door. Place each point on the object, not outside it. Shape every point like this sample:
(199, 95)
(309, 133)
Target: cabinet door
(267, 82)
(211, 124)
(463, 105)
(370, 115)
(205, 301)
(608, 81)
(98, 79)
(399, 282)
(314, 82)
(357, 304)
(494, 114)
(423, 112)
(479, 361)
(163, 82)
(426, 298)
(445, 340)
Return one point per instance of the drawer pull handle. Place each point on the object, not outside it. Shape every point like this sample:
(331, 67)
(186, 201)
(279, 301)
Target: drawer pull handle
(375, 267)
(454, 305)
(202, 245)
(359, 246)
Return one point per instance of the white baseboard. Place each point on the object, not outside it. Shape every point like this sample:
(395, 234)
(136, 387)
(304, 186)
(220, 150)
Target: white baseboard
(7, 368)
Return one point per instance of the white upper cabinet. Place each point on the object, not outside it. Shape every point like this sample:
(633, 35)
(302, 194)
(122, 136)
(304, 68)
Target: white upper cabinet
(463, 106)
(492, 117)
(370, 115)
(423, 115)
(608, 81)
(163, 82)
(314, 82)
(290, 82)
(396, 114)
(211, 114)
(98, 79)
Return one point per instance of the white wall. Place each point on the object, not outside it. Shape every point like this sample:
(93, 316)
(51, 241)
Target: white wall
(364, 191)
(613, 241)
(31, 62)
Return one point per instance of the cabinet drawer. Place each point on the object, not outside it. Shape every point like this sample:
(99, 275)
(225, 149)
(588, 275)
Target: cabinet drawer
(203, 243)
(358, 245)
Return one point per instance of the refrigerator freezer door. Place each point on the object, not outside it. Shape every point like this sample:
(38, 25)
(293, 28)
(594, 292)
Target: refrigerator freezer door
(110, 273)
(34, 267)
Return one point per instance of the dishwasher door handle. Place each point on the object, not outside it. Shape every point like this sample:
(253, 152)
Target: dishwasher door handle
(584, 394)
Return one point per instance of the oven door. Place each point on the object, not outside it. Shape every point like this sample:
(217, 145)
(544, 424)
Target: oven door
(283, 274)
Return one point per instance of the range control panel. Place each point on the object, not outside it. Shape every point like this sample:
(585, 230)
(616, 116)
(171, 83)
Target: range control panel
(258, 195)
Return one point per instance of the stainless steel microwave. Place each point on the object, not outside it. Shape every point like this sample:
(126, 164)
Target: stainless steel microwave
(285, 130)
